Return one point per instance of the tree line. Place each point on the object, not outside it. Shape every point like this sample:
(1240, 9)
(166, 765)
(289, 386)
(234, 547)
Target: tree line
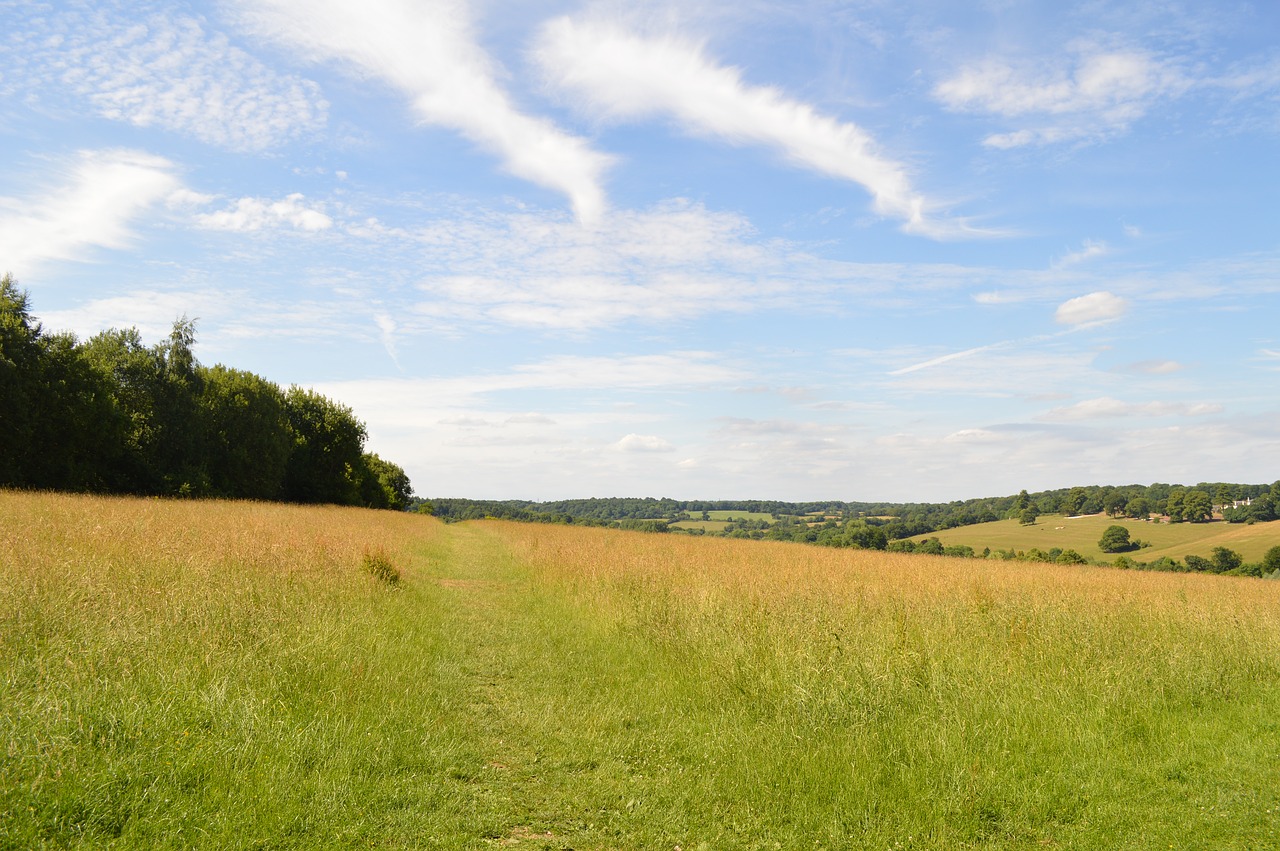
(114, 415)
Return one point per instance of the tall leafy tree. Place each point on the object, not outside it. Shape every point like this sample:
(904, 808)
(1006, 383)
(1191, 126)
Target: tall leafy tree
(1115, 539)
(326, 460)
(81, 431)
(247, 436)
(384, 485)
(19, 368)
(1196, 506)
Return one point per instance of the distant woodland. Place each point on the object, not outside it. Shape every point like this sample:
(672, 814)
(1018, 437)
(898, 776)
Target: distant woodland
(114, 415)
(872, 525)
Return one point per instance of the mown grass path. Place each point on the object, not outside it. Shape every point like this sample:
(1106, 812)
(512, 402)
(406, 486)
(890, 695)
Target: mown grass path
(225, 676)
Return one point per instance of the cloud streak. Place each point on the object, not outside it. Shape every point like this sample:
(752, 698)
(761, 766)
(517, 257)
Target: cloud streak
(427, 52)
(102, 194)
(620, 76)
(1106, 407)
(1086, 96)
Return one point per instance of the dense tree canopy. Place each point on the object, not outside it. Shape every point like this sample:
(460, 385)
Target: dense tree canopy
(115, 415)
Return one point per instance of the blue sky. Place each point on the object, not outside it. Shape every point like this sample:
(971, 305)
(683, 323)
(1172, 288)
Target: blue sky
(814, 250)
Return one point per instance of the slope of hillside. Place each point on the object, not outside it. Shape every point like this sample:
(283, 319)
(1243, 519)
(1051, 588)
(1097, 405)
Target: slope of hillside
(204, 674)
(1081, 534)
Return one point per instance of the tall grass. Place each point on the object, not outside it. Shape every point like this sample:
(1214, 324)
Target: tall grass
(880, 699)
(177, 674)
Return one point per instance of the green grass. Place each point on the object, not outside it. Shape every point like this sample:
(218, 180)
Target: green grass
(178, 674)
(727, 515)
(706, 525)
(1081, 534)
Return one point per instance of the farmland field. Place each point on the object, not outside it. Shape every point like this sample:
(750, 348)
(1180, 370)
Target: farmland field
(207, 674)
(1081, 534)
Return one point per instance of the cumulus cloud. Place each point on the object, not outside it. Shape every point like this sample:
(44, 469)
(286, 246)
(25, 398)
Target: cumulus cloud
(1091, 308)
(253, 214)
(427, 52)
(1107, 407)
(95, 204)
(643, 443)
(1090, 93)
(618, 75)
(165, 71)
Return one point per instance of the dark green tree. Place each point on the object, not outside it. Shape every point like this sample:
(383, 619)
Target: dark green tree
(1225, 560)
(19, 367)
(80, 434)
(1115, 539)
(384, 485)
(1115, 503)
(1139, 508)
(1196, 506)
(1271, 561)
(326, 461)
(1198, 564)
(247, 436)
(1028, 517)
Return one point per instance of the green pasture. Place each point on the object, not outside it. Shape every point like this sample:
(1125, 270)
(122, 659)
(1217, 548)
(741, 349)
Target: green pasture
(706, 525)
(727, 515)
(1081, 534)
(232, 675)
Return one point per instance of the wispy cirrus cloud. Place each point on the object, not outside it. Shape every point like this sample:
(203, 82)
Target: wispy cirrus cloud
(1089, 93)
(617, 75)
(98, 197)
(1092, 248)
(1107, 407)
(165, 71)
(643, 443)
(428, 53)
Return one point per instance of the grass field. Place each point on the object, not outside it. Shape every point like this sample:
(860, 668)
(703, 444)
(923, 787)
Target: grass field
(705, 525)
(726, 515)
(1081, 534)
(218, 675)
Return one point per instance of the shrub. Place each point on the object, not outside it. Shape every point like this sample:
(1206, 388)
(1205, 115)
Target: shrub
(378, 564)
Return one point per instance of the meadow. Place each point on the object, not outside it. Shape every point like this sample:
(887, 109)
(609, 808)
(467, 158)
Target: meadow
(231, 675)
(1175, 540)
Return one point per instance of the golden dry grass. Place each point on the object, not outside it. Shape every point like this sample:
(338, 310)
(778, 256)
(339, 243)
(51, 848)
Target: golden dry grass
(212, 674)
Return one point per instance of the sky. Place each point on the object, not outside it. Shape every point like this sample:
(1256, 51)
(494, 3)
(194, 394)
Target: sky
(906, 251)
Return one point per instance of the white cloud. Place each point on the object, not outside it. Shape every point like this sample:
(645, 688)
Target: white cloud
(428, 52)
(1091, 249)
(948, 358)
(618, 75)
(1154, 367)
(252, 214)
(152, 313)
(1109, 408)
(643, 443)
(531, 418)
(673, 262)
(101, 195)
(1091, 308)
(1088, 94)
(409, 402)
(163, 71)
